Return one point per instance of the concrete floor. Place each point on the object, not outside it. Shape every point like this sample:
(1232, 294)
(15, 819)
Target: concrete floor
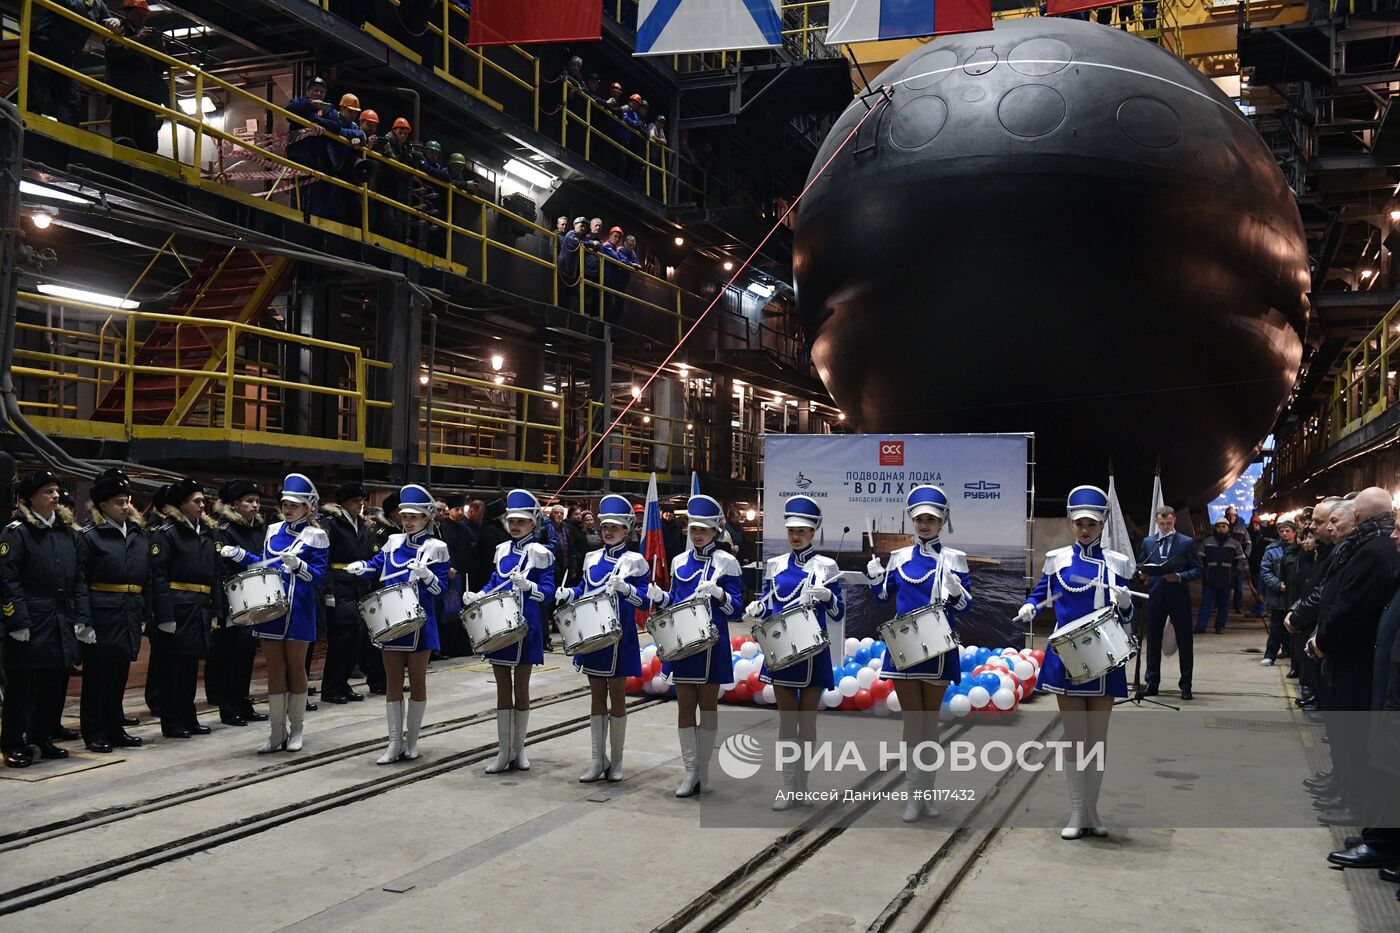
(539, 851)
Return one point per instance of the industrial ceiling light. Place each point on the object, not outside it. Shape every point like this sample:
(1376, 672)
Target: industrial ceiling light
(41, 220)
(680, 241)
(762, 290)
(530, 174)
(92, 298)
(44, 191)
(205, 105)
(636, 391)
(497, 361)
(728, 266)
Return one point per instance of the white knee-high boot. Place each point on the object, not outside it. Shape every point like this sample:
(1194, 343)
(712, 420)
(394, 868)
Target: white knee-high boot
(598, 733)
(393, 712)
(503, 743)
(704, 748)
(690, 784)
(296, 715)
(1093, 783)
(277, 723)
(617, 737)
(416, 708)
(522, 721)
(1076, 828)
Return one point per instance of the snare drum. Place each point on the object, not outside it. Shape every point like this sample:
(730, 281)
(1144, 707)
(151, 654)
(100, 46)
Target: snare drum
(683, 629)
(392, 612)
(791, 637)
(588, 623)
(256, 596)
(495, 621)
(1092, 645)
(917, 636)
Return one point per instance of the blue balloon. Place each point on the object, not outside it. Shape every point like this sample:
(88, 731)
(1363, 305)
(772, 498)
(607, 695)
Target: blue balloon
(967, 663)
(990, 681)
(853, 668)
(837, 673)
(983, 654)
(863, 655)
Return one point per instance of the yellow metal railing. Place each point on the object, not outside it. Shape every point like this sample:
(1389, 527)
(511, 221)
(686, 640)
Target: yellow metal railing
(457, 227)
(480, 423)
(1363, 389)
(242, 403)
(642, 443)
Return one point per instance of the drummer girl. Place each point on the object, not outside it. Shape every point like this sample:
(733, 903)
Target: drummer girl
(412, 556)
(298, 547)
(1084, 579)
(708, 573)
(527, 567)
(622, 572)
(799, 579)
(919, 575)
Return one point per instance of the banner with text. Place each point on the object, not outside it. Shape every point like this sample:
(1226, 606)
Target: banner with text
(861, 480)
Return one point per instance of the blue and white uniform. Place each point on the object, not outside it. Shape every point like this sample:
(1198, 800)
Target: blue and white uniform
(286, 545)
(921, 574)
(800, 578)
(1065, 574)
(395, 563)
(623, 659)
(688, 572)
(537, 562)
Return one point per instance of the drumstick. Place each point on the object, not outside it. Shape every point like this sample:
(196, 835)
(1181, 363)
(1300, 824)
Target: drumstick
(291, 551)
(1103, 586)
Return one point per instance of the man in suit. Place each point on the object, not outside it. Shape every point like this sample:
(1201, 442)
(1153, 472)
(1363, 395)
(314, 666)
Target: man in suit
(1170, 563)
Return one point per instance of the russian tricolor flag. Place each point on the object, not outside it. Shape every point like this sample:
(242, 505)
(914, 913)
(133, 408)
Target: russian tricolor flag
(653, 546)
(873, 20)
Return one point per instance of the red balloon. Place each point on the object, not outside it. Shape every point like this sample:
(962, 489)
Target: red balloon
(848, 704)
(741, 693)
(736, 642)
(634, 684)
(654, 667)
(881, 688)
(864, 699)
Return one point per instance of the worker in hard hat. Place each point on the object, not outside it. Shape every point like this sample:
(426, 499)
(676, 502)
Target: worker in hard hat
(140, 75)
(316, 147)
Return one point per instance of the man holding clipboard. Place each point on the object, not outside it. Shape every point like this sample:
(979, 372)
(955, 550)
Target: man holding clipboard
(1168, 560)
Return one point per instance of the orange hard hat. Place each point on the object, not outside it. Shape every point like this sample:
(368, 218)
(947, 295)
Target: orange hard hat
(350, 100)
(401, 122)
(635, 98)
(369, 116)
(135, 5)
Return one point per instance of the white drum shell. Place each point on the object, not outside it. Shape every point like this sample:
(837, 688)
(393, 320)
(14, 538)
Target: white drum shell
(1091, 646)
(588, 623)
(495, 621)
(791, 637)
(256, 596)
(683, 629)
(392, 612)
(917, 636)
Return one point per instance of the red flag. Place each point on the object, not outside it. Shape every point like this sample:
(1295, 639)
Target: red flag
(1061, 7)
(502, 22)
(653, 546)
(950, 16)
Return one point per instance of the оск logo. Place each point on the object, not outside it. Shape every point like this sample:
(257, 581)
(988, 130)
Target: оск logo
(891, 453)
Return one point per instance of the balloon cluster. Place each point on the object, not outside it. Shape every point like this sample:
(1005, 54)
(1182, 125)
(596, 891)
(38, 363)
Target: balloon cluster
(994, 681)
(654, 679)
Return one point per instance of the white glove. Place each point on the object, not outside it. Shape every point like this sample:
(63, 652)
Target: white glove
(20, 634)
(874, 570)
(522, 583)
(357, 568)
(954, 585)
(620, 587)
(656, 594)
(232, 553)
(291, 562)
(1122, 596)
(563, 596)
(421, 574)
(469, 598)
(1025, 613)
(167, 627)
(816, 593)
(86, 634)
(754, 610)
(709, 589)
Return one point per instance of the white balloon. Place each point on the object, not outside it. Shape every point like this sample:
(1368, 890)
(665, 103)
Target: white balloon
(892, 701)
(748, 649)
(960, 705)
(649, 651)
(742, 670)
(658, 684)
(831, 698)
(1024, 669)
(1007, 651)
(867, 641)
(848, 686)
(865, 677)
(978, 697)
(1004, 699)
(852, 646)
(972, 649)
(768, 695)
(876, 664)
(725, 688)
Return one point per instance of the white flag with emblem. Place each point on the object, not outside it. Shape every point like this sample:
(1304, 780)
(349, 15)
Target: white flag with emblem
(673, 27)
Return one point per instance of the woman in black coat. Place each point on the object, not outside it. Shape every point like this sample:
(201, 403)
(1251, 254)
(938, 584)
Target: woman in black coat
(45, 612)
(115, 553)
